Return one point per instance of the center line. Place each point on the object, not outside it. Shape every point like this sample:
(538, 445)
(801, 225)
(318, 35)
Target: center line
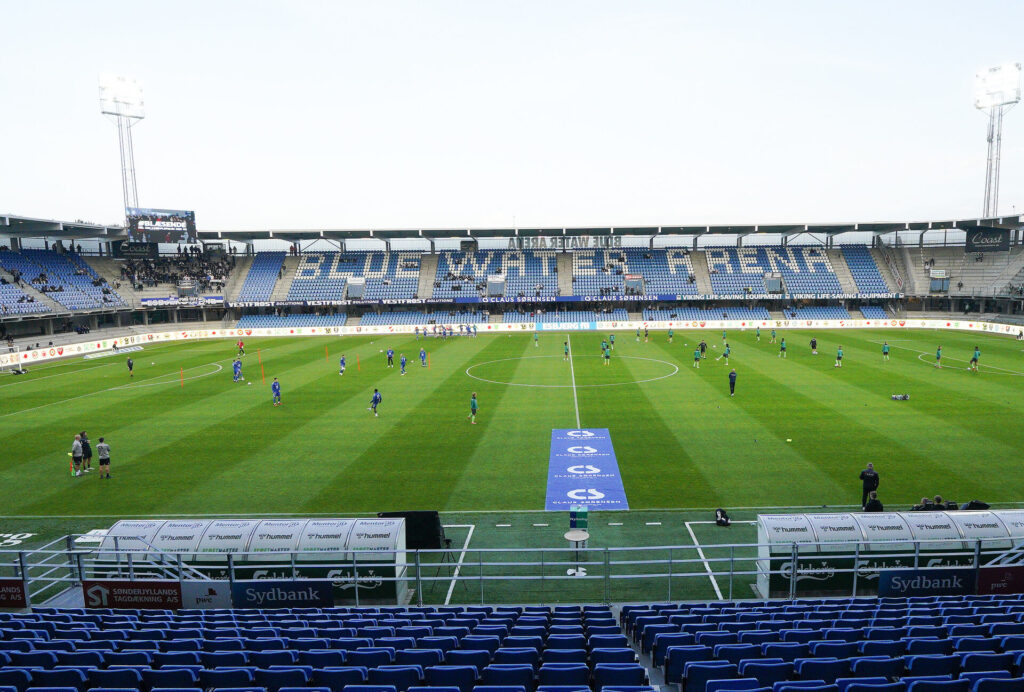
(572, 371)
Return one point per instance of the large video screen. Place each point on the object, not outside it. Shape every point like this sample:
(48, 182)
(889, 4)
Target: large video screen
(161, 225)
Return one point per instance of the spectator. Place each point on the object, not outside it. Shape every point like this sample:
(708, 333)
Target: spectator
(873, 504)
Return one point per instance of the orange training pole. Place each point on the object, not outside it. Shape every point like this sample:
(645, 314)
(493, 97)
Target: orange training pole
(326, 356)
(428, 361)
(182, 378)
(263, 379)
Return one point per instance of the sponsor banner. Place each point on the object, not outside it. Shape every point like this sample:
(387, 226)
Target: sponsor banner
(12, 594)
(105, 354)
(206, 594)
(1007, 579)
(171, 301)
(117, 593)
(305, 593)
(986, 239)
(926, 582)
(582, 470)
(84, 347)
(11, 539)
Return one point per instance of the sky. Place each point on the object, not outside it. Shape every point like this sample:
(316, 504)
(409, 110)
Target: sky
(475, 113)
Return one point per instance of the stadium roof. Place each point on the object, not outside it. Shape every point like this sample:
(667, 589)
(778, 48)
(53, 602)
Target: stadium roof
(1011, 222)
(26, 227)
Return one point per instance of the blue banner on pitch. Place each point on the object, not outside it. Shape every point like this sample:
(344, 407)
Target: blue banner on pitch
(582, 471)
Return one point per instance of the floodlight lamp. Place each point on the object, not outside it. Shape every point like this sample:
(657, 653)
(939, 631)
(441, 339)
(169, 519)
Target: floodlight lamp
(997, 86)
(121, 96)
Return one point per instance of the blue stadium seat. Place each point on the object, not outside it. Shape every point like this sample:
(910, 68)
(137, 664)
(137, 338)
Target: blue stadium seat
(697, 673)
(983, 674)
(976, 661)
(518, 655)
(998, 685)
(622, 655)
(564, 656)
(370, 688)
(939, 686)
(615, 674)
(69, 677)
(563, 674)
(932, 665)
(767, 672)
(179, 677)
(677, 657)
(877, 687)
(224, 677)
(508, 674)
(338, 677)
(14, 677)
(121, 677)
(477, 658)
(733, 684)
(843, 683)
(463, 677)
(402, 677)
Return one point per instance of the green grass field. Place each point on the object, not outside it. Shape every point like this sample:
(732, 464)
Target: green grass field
(683, 445)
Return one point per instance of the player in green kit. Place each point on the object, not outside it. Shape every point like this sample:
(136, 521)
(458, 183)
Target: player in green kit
(974, 360)
(565, 346)
(885, 350)
(938, 357)
(725, 354)
(604, 346)
(536, 337)
(472, 409)
(723, 336)
(758, 333)
(782, 348)
(696, 358)
(772, 340)
(607, 356)
(638, 334)
(611, 340)
(839, 357)
(670, 335)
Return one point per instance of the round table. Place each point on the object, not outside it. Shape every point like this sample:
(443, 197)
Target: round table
(578, 538)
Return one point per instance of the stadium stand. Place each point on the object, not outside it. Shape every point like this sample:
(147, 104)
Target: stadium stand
(446, 317)
(829, 312)
(323, 275)
(14, 301)
(259, 282)
(597, 272)
(616, 315)
(874, 312)
(297, 320)
(63, 277)
(697, 314)
(526, 272)
(804, 270)
(864, 269)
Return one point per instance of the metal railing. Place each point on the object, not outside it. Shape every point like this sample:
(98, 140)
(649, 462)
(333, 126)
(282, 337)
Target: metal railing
(522, 575)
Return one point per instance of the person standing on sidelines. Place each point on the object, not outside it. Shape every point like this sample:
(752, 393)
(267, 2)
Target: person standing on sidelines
(103, 451)
(757, 332)
(76, 455)
(536, 339)
(341, 365)
(646, 335)
(86, 453)
(671, 333)
(782, 348)
(607, 356)
(374, 402)
(732, 382)
(938, 357)
(885, 350)
(275, 390)
(814, 346)
(696, 357)
(974, 360)
(869, 483)
(565, 350)
(611, 340)
(472, 409)
(423, 358)
(839, 356)
(391, 357)
(638, 334)
(131, 366)
(772, 339)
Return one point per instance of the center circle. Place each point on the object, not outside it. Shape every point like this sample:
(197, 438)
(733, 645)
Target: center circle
(671, 369)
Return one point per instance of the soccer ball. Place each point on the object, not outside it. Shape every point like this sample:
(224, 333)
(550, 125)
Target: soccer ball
(836, 365)
(249, 383)
(382, 350)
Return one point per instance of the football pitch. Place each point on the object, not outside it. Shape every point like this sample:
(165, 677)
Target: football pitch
(187, 441)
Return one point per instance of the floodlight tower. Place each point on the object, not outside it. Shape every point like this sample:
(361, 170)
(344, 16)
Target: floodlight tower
(996, 90)
(121, 98)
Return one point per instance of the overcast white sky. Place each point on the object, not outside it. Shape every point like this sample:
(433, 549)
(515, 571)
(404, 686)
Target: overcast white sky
(478, 113)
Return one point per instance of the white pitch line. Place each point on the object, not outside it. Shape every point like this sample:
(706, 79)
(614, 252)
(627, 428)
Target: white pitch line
(707, 567)
(59, 374)
(572, 372)
(458, 565)
(502, 526)
(540, 524)
(653, 523)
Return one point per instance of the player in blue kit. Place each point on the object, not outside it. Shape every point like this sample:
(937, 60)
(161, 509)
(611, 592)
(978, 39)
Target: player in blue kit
(275, 389)
(391, 357)
(341, 365)
(374, 402)
(416, 331)
(423, 358)
(236, 366)
(401, 362)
